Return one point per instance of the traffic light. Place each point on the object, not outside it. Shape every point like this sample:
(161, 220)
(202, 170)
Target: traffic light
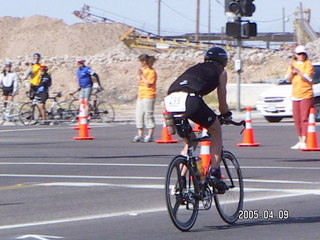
(233, 29)
(233, 6)
(249, 29)
(247, 8)
(238, 30)
(243, 8)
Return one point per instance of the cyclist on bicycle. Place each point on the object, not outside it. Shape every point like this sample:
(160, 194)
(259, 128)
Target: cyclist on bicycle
(84, 75)
(188, 90)
(9, 83)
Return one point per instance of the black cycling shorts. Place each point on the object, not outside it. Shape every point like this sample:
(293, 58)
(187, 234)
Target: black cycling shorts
(7, 91)
(43, 97)
(198, 111)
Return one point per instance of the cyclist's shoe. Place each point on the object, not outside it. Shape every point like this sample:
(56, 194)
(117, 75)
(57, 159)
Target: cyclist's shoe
(148, 139)
(215, 181)
(44, 123)
(137, 139)
(218, 184)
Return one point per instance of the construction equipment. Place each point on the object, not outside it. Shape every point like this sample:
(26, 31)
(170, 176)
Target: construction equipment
(303, 30)
(87, 15)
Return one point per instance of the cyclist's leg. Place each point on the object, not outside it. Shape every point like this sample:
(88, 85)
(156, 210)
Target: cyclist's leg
(199, 112)
(216, 143)
(84, 96)
(44, 96)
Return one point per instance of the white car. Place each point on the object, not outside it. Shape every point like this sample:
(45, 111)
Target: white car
(276, 103)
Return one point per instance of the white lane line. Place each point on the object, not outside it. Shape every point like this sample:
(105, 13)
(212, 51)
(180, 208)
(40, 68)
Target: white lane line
(86, 164)
(127, 213)
(48, 128)
(161, 186)
(145, 178)
(79, 176)
(79, 184)
(142, 165)
(83, 218)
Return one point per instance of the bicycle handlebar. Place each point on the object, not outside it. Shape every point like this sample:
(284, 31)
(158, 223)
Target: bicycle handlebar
(224, 121)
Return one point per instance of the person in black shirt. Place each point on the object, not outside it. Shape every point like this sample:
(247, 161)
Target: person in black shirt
(190, 87)
(42, 91)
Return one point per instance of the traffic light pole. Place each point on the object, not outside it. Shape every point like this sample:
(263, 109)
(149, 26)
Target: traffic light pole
(238, 66)
(239, 70)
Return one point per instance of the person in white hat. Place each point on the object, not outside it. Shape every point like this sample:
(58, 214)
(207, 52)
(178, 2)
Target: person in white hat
(9, 82)
(300, 73)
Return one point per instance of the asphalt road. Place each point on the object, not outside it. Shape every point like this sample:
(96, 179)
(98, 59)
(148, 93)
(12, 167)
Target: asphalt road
(54, 187)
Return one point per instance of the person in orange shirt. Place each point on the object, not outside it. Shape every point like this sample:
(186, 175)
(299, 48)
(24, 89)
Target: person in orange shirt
(147, 78)
(300, 73)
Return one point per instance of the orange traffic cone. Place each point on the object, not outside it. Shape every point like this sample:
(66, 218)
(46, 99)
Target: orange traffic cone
(83, 131)
(197, 128)
(166, 138)
(81, 108)
(312, 140)
(248, 136)
(205, 155)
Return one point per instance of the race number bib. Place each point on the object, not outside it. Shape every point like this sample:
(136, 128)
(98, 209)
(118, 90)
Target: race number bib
(176, 102)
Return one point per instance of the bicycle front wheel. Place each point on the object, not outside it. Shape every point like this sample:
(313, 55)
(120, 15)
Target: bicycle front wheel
(181, 194)
(230, 203)
(29, 114)
(105, 112)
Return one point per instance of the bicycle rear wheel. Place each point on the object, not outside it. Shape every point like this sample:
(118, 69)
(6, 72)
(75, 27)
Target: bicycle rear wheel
(105, 112)
(2, 115)
(15, 115)
(230, 203)
(29, 114)
(74, 110)
(182, 203)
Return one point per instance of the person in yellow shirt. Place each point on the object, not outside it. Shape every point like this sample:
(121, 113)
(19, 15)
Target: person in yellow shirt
(147, 78)
(34, 74)
(300, 73)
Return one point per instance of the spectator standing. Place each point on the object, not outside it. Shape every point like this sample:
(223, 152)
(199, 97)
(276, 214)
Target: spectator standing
(84, 75)
(9, 83)
(34, 74)
(42, 91)
(147, 78)
(300, 73)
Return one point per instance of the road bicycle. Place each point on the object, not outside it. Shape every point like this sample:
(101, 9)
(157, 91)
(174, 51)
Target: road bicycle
(100, 110)
(56, 111)
(187, 192)
(9, 112)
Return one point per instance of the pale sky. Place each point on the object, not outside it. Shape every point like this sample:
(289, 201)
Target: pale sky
(177, 16)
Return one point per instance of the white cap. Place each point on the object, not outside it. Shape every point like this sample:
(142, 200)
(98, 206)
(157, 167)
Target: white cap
(300, 49)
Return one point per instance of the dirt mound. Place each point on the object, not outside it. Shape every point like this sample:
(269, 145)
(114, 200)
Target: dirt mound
(52, 37)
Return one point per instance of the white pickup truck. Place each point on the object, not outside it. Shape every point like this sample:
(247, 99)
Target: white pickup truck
(276, 103)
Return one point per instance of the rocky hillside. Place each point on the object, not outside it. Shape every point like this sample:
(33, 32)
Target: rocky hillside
(61, 45)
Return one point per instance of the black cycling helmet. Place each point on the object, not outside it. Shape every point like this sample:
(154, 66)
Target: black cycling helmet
(216, 54)
(37, 55)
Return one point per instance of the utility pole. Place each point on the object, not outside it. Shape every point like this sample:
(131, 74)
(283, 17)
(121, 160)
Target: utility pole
(159, 16)
(283, 20)
(209, 17)
(197, 21)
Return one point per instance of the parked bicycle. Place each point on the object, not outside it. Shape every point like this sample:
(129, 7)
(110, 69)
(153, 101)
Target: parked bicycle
(9, 112)
(99, 110)
(185, 189)
(57, 111)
